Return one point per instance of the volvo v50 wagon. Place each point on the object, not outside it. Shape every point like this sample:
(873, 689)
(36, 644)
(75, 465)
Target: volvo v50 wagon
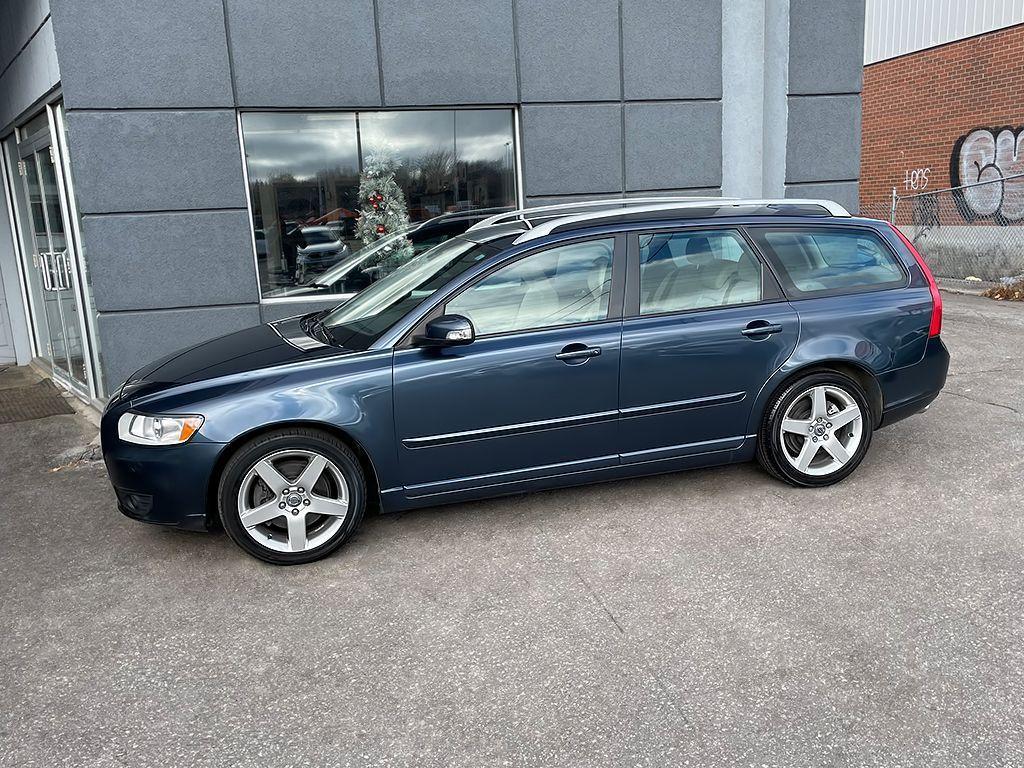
(541, 348)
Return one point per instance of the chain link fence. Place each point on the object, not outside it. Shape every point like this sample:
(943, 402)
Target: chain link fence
(974, 232)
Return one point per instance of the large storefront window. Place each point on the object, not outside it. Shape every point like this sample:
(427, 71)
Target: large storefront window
(305, 169)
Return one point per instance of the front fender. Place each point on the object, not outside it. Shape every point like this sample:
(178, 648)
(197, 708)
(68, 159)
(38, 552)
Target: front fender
(351, 394)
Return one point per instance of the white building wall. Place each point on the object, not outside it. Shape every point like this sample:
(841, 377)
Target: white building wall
(895, 27)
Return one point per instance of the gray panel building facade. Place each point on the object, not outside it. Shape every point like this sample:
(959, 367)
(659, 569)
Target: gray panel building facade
(183, 138)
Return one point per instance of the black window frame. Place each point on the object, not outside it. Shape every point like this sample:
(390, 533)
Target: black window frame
(757, 235)
(771, 290)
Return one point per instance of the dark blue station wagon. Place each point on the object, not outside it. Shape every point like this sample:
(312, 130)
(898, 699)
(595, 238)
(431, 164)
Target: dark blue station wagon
(541, 348)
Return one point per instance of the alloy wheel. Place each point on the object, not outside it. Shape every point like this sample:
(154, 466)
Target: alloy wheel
(821, 430)
(293, 500)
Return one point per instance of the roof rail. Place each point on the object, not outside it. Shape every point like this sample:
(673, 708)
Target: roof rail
(609, 202)
(546, 228)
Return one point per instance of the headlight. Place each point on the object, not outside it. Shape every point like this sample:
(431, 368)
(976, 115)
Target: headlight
(157, 430)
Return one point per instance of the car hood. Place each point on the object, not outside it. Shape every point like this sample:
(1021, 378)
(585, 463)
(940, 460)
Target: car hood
(258, 347)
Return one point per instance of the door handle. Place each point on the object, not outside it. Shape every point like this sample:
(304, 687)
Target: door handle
(45, 271)
(577, 353)
(63, 270)
(761, 328)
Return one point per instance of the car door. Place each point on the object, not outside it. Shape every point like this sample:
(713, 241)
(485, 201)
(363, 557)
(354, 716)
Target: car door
(535, 394)
(706, 325)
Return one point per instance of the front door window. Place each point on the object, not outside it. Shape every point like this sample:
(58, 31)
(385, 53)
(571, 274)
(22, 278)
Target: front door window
(561, 286)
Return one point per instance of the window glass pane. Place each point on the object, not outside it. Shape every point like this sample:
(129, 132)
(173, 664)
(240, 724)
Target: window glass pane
(560, 286)
(695, 270)
(830, 260)
(305, 172)
(37, 125)
(303, 177)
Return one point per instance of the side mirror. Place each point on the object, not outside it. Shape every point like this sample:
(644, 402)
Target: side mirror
(447, 331)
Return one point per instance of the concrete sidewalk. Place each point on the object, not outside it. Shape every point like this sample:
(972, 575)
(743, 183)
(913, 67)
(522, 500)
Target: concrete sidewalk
(705, 618)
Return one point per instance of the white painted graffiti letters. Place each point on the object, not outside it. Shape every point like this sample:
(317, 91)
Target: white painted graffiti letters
(993, 155)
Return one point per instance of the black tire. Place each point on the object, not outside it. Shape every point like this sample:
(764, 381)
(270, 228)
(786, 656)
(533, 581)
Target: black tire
(770, 452)
(293, 439)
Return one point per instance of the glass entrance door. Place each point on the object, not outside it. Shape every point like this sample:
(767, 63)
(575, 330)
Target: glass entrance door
(50, 264)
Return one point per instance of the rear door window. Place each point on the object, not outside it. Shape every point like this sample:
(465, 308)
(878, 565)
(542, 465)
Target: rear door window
(699, 269)
(829, 261)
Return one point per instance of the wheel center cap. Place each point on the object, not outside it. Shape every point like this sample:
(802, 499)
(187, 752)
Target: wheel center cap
(820, 430)
(293, 500)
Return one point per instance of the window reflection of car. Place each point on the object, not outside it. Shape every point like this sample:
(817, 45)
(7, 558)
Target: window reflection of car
(355, 271)
(324, 247)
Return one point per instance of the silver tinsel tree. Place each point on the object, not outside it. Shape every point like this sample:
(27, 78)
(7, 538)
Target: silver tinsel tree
(383, 210)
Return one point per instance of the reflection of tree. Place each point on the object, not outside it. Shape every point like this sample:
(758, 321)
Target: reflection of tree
(440, 180)
(436, 168)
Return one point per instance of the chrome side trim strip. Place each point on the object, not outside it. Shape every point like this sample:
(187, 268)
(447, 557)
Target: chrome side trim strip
(432, 441)
(527, 474)
(682, 405)
(672, 451)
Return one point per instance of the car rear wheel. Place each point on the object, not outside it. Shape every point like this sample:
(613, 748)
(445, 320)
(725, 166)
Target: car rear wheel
(292, 496)
(816, 431)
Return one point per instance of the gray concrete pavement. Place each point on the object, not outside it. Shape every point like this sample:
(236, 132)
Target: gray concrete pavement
(704, 618)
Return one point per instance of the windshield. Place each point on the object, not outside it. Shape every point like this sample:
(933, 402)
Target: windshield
(366, 316)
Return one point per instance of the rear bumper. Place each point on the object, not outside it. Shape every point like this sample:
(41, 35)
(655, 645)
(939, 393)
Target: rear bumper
(910, 390)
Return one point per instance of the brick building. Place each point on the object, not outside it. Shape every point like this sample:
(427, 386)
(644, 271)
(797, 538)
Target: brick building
(943, 104)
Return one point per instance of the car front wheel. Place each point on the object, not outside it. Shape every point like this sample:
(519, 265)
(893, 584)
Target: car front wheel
(816, 431)
(292, 496)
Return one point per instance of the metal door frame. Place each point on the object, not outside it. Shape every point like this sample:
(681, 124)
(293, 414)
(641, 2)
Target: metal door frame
(26, 151)
(29, 161)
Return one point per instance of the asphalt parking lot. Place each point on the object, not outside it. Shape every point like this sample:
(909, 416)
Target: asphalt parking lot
(705, 618)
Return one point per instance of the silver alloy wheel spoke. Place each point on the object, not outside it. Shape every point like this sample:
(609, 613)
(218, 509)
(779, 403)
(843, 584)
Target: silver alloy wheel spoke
(261, 514)
(818, 405)
(839, 453)
(845, 416)
(807, 454)
(268, 473)
(312, 472)
(796, 426)
(321, 505)
(296, 532)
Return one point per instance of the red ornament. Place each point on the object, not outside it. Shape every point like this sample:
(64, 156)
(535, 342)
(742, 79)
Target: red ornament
(381, 229)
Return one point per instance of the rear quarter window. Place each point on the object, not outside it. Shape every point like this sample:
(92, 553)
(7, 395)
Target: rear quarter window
(817, 261)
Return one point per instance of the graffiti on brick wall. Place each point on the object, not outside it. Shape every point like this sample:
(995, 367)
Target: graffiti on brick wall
(992, 159)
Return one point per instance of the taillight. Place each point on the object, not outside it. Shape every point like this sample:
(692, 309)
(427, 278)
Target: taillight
(936, 325)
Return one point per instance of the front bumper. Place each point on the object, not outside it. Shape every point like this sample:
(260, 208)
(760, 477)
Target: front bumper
(165, 485)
